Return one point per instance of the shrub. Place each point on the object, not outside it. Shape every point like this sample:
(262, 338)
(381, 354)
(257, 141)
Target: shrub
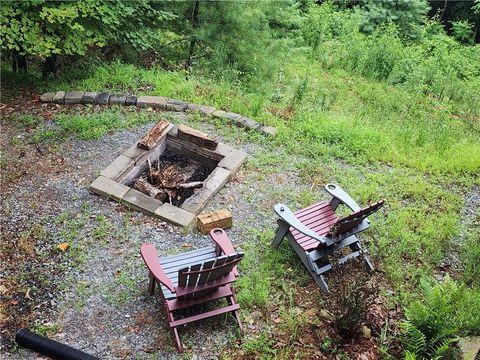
(433, 323)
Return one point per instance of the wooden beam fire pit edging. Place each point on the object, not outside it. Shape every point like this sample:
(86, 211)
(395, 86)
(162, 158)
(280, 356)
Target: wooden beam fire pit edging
(156, 102)
(196, 137)
(154, 135)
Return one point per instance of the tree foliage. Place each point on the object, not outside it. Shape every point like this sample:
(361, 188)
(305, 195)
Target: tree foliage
(44, 27)
(406, 14)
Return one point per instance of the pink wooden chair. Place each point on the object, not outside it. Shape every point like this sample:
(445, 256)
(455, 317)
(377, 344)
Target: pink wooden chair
(193, 278)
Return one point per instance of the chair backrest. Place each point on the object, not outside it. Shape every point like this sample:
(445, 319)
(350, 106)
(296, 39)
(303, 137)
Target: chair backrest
(347, 223)
(201, 279)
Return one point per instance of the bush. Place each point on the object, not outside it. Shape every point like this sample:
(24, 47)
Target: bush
(433, 323)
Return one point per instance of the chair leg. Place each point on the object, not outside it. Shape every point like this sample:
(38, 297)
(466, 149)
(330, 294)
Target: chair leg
(174, 330)
(231, 301)
(178, 343)
(151, 284)
(281, 232)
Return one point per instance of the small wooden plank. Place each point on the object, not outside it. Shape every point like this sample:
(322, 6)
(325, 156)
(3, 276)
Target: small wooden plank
(196, 137)
(217, 219)
(155, 134)
(182, 278)
(204, 276)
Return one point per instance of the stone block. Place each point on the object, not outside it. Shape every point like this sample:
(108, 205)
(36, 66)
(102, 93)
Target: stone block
(89, 97)
(130, 100)
(223, 149)
(175, 215)
(108, 188)
(117, 99)
(119, 166)
(59, 97)
(249, 123)
(102, 98)
(73, 97)
(218, 113)
(133, 152)
(217, 179)
(233, 160)
(47, 97)
(176, 105)
(198, 201)
(268, 130)
(201, 108)
(138, 201)
(157, 102)
(152, 154)
(232, 116)
(173, 131)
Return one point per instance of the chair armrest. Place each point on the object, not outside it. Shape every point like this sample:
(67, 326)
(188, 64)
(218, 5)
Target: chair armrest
(149, 255)
(341, 196)
(221, 239)
(287, 216)
(223, 244)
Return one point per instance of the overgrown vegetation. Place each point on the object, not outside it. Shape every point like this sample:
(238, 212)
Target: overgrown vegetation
(375, 97)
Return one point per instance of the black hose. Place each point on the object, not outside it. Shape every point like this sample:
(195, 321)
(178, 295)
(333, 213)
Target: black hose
(48, 347)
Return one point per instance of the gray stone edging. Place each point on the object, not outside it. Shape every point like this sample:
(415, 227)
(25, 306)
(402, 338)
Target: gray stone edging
(158, 102)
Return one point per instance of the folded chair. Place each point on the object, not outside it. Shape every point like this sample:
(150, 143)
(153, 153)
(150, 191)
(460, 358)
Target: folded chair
(317, 232)
(194, 278)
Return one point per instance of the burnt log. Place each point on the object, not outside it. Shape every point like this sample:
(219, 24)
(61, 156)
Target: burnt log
(145, 187)
(154, 135)
(196, 137)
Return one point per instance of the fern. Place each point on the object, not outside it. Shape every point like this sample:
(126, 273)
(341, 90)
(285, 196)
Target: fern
(427, 331)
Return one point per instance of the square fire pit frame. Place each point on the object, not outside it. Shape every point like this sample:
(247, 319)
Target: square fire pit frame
(113, 182)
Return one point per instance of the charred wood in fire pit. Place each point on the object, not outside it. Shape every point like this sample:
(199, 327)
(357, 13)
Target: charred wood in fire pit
(154, 135)
(145, 187)
(167, 177)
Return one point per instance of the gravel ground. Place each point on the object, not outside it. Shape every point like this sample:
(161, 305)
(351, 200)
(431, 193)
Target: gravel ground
(98, 300)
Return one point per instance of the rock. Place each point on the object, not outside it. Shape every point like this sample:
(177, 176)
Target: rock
(469, 347)
(73, 97)
(102, 98)
(367, 333)
(247, 122)
(117, 99)
(156, 102)
(59, 97)
(176, 105)
(130, 100)
(89, 97)
(201, 108)
(268, 130)
(325, 314)
(47, 97)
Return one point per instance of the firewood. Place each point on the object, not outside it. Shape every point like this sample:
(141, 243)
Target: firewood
(143, 186)
(196, 137)
(154, 135)
(217, 219)
(189, 185)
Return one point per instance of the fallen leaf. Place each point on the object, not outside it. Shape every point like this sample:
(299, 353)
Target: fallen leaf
(63, 246)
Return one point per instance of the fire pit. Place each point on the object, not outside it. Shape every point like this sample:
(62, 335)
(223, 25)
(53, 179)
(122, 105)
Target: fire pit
(171, 173)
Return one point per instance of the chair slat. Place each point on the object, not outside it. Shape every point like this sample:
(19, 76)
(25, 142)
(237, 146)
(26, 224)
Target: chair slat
(192, 278)
(215, 269)
(204, 276)
(182, 277)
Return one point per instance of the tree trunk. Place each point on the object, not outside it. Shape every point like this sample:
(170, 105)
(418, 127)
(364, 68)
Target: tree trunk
(50, 65)
(191, 48)
(19, 62)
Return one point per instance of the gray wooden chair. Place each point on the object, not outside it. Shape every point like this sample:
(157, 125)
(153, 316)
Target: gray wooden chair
(317, 232)
(194, 278)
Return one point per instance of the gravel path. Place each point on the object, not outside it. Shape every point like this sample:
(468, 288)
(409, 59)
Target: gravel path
(96, 297)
